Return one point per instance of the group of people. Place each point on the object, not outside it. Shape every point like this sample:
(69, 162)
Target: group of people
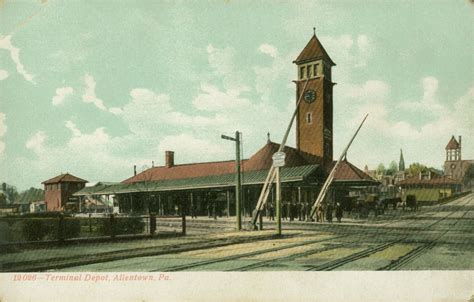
(325, 211)
(291, 211)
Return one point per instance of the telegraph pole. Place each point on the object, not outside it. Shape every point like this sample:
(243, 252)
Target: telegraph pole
(238, 177)
(238, 185)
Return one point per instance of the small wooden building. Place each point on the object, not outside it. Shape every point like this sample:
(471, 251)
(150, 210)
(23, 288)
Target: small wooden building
(59, 189)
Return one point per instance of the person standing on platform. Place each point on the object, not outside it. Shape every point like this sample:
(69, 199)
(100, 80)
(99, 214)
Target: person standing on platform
(320, 213)
(194, 210)
(271, 209)
(338, 212)
(329, 212)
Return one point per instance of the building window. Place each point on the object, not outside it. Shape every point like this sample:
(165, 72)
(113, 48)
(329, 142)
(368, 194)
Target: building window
(309, 118)
(302, 72)
(308, 72)
(315, 69)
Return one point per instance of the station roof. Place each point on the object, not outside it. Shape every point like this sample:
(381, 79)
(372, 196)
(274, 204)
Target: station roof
(347, 172)
(261, 160)
(64, 178)
(287, 174)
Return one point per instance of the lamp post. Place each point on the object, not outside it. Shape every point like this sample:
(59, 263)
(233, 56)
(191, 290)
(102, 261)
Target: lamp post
(238, 185)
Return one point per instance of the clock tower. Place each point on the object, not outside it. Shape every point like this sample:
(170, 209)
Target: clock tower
(314, 119)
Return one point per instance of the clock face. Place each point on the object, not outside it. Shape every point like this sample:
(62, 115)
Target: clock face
(309, 95)
(453, 166)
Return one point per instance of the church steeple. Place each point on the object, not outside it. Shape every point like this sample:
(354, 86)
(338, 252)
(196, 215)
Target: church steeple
(401, 163)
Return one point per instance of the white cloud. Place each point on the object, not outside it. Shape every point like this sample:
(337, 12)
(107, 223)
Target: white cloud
(3, 74)
(89, 95)
(373, 90)
(268, 49)
(429, 102)
(424, 142)
(221, 60)
(223, 67)
(145, 111)
(5, 43)
(61, 94)
(189, 148)
(36, 142)
(212, 99)
(365, 48)
(267, 76)
(3, 130)
(72, 126)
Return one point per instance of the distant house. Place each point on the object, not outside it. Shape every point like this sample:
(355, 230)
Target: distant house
(59, 189)
(430, 187)
(455, 166)
(37, 207)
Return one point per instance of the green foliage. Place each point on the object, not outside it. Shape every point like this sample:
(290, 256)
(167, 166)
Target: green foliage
(381, 169)
(45, 215)
(416, 168)
(11, 193)
(36, 229)
(3, 199)
(392, 168)
(30, 195)
(469, 175)
(122, 225)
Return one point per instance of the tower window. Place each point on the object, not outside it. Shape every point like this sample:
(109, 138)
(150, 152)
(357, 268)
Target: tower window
(302, 72)
(309, 118)
(308, 72)
(315, 69)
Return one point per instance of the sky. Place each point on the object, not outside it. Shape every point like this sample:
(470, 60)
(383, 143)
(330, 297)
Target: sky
(95, 87)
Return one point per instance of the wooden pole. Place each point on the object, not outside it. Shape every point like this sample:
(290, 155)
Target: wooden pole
(278, 201)
(271, 174)
(327, 183)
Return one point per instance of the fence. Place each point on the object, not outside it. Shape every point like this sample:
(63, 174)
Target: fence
(59, 228)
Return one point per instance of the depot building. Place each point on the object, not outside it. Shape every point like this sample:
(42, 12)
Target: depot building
(209, 187)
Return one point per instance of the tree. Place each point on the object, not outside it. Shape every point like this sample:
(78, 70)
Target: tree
(10, 192)
(392, 168)
(381, 169)
(468, 179)
(30, 195)
(416, 168)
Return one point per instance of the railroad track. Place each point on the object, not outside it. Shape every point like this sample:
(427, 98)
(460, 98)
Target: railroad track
(243, 255)
(340, 262)
(65, 262)
(340, 233)
(417, 252)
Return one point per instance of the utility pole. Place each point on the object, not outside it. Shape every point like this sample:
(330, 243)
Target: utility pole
(238, 178)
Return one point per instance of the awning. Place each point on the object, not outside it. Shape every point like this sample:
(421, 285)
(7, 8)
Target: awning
(287, 174)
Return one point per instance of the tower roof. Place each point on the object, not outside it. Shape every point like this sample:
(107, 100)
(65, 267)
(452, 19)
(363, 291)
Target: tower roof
(64, 178)
(313, 50)
(453, 144)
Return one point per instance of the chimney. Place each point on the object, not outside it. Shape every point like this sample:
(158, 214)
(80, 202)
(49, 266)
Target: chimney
(135, 170)
(169, 159)
(152, 163)
(460, 141)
